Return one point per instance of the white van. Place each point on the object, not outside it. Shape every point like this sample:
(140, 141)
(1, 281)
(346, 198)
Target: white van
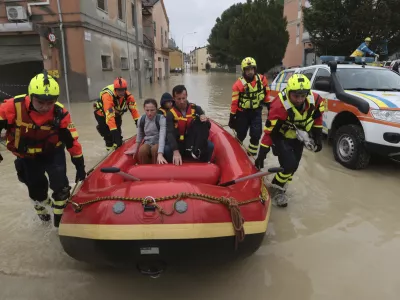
(362, 110)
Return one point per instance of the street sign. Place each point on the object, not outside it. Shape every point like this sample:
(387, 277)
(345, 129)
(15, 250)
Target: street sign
(51, 37)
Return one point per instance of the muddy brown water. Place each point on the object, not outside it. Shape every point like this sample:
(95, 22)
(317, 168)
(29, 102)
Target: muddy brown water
(339, 238)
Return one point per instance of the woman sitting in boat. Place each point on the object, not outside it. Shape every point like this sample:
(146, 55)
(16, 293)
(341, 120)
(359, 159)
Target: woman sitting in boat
(152, 130)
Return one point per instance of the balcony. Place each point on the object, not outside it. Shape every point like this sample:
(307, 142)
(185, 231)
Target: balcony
(147, 41)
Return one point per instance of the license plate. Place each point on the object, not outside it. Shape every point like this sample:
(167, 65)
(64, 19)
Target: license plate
(149, 250)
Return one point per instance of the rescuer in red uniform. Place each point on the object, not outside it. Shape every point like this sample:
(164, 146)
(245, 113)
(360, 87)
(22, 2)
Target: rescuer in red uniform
(294, 107)
(249, 93)
(38, 130)
(114, 101)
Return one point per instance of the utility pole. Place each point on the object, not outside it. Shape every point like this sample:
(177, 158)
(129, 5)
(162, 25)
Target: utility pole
(138, 52)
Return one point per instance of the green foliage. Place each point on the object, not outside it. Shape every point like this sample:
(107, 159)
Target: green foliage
(256, 28)
(339, 26)
(219, 39)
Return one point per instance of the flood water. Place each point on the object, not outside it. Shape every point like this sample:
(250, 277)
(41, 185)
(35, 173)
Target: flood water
(339, 238)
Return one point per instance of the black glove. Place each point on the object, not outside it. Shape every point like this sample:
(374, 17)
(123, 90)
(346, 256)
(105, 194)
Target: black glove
(79, 163)
(117, 138)
(317, 135)
(136, 122)
(262, 154)
(232, 121)
(1, 158)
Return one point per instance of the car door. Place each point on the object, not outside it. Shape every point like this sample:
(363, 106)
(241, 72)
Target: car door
(324, 74)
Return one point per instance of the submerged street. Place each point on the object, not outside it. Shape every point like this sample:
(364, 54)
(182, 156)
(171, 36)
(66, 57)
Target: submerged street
(339, 238)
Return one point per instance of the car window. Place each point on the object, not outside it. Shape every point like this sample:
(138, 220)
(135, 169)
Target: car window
(276, 80)
(322, 74)
(368, 79)
(309, 72)
(287, 76)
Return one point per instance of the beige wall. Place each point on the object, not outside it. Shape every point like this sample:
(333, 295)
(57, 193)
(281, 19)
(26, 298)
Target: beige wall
(199, 58)
(295, 48)
(175, 59)
(161, 57)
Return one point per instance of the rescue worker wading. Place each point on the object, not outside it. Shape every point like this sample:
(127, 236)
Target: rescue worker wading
(38, 130)
(249, 93)
(294, 105)
(114, 101)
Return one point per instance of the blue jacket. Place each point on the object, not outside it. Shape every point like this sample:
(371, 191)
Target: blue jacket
(362, 50)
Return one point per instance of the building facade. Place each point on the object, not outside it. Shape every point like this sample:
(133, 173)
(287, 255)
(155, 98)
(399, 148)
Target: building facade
(199, 58)
(156, 30)
(175, 60)
(300, 51)
(100, 44)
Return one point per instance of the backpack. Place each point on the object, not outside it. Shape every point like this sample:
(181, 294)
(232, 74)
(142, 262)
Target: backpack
(143, 118)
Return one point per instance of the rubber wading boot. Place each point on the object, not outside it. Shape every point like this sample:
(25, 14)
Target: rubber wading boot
(278, 196)
(41, 210)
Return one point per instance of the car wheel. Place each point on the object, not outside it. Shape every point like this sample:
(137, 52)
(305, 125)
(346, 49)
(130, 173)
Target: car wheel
(349, 149)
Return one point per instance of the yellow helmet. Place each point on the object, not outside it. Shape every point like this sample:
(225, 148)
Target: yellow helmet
(44, 87)
(248, 62)
(299, 84)
(367, 39)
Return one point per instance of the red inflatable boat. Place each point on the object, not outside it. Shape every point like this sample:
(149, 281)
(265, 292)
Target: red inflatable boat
(164, 213)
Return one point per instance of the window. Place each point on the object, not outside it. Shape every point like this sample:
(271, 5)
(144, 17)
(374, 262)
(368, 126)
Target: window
(287, 76)
(368, 79)
(298, 30)
(155, 28)
(135, 64)
(106, 62)
(121, 10)
(322, 74)
(133, 14)
(162, 37)
(309, 72)
(124, 63)
(102, 4)
(166, 37)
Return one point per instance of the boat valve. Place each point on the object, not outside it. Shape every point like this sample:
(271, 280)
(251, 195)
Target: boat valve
(154, 270)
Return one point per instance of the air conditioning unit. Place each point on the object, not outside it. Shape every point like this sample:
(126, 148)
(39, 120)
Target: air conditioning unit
(16, 13)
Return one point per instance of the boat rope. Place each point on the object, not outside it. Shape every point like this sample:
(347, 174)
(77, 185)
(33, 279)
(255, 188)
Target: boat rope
(232, 204)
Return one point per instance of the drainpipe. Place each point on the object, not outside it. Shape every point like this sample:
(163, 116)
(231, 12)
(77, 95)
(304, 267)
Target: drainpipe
(138, 51)
(64, 56)
(127, 45)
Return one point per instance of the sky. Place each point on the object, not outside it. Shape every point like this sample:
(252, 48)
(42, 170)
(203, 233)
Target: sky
(187, 16)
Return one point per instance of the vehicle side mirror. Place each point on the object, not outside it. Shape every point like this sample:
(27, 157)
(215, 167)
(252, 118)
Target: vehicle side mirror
(322, 85)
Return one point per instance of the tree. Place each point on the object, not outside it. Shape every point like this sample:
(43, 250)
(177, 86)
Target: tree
(219, 39)
(256, 28)
(260, 32)
(338, 27)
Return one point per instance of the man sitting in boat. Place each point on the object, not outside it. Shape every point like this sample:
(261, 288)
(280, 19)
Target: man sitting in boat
(166, 103)
(152, 129)
(182, 116)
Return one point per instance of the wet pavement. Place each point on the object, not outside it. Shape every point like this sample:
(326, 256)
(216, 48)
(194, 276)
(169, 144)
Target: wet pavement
(339, 238)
